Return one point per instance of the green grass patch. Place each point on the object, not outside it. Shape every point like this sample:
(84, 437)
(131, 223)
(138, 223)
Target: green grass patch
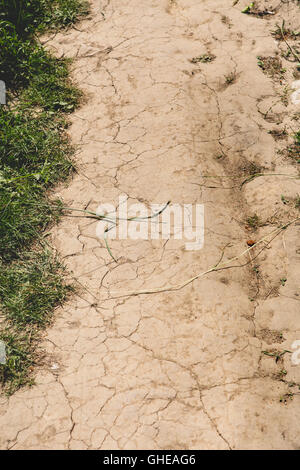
(30, 288)
(253, 221)
(34, 155)
(32, 74)
(33, 144)
(20, 350)
(51, 88)
(25, 213)
(31, 16)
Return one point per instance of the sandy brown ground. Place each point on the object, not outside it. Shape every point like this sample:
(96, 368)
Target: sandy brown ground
(182, 369)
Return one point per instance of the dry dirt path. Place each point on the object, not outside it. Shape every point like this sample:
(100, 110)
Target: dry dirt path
(181, 369)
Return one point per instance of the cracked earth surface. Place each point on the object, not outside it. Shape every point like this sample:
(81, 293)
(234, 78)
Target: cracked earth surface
(183, 369)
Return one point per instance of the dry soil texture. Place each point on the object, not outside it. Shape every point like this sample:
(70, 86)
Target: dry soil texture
(181, 369)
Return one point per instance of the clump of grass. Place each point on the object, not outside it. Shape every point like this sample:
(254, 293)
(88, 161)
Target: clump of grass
(278, 355)
(284, 97)
(253, 221)
(248, 9)
(51, 87)
(271, 66)
(25, 65)
(17, 56)
(30, 288)
(33, 144)
(34, 155)
(25, 213)
(283, 281)
(281, 32)
(286, 397)
(38, 15)
(230, 78)
(204, 59)
(19, 345)
(64, 13)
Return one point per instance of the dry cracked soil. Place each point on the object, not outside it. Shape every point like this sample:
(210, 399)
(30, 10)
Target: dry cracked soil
(172, 94)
